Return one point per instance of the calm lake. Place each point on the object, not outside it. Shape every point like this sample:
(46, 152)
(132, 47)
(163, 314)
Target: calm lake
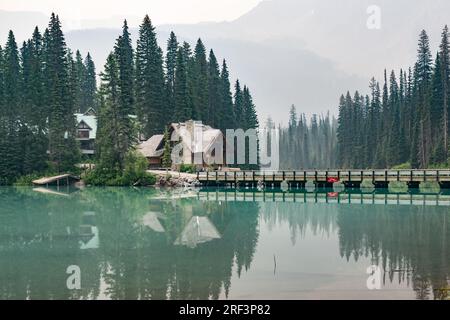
(127, 243)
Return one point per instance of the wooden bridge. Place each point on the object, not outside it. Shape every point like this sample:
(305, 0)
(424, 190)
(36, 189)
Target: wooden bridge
(325, 197)
(325, 178)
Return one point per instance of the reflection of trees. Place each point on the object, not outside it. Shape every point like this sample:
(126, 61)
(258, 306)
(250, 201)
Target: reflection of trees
(319, 218)
(36, 247)
(409, 242)
(40, 238)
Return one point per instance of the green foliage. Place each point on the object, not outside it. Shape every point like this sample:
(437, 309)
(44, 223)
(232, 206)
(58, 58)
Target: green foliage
(166, 160)
(307, 144)
(149, 85)
(402, 166)
(188, 168)
(407, 123)
(42, 86)
(133, 174)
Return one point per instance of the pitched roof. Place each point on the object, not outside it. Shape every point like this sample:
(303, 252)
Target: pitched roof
(210, 136)
(198, 230)
(149, 148)
(91, 121)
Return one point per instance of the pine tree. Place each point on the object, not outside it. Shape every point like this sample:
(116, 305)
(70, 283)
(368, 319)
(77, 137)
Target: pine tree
(79, 74)
(171, 62)
(200, 83)
(423, 74)
(116, 133)
(149, 80)
(250, 116)
(183, 105)
(89, 85)
(214, 114)
(166, 159)
(124, 56)
(238, 106)
(10, 166)
(228, 121)
(63, 148)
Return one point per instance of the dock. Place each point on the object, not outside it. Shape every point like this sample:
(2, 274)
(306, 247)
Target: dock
(63, 179)
(325, 178)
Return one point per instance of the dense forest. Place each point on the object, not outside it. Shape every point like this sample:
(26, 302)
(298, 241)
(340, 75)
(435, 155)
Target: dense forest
(307, 144)
(43, 84)
(406, 122)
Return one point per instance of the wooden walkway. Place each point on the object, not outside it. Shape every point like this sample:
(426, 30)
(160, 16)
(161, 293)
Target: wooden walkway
(326, 178)
(63, 179)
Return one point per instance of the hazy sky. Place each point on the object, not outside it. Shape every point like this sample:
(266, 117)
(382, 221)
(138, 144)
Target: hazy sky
(93, 13)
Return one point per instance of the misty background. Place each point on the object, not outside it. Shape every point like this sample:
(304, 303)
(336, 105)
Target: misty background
(302, 52)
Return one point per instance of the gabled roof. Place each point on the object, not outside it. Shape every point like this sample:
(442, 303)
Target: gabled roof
(210, 136)
(90, 121)
(198, 230)
(152, 147)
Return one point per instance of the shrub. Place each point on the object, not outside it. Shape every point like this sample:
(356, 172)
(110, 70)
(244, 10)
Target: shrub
(188, 168)
(134, 173)
(27, 180)
(402, 166)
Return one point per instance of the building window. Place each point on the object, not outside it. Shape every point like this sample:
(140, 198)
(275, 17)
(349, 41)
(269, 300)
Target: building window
(83, 134)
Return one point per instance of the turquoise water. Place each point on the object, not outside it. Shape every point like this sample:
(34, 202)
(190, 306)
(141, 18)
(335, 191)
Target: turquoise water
(129, 243)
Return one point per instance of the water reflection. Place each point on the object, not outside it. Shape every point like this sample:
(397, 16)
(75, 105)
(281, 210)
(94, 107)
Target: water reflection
(147, 244)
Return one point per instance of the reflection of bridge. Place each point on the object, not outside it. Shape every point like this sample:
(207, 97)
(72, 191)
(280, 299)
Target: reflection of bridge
(326, 178)
(326, 197)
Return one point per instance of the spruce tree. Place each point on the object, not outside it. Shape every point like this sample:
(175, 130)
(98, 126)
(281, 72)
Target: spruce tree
(79, 74)
(200, 83)
(116, 134)
(11, 163)
(89, 85)
(238, 106)
(228, 121)
(149, 80)
(124, 56)
(183, 104)
(171, 62)
(214, 113)
(63, 148)
(166, 159)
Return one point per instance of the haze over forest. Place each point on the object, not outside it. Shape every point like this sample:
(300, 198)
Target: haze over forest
(302, 52)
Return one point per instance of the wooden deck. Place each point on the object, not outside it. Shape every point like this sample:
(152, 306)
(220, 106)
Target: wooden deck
(61, 179)
(326, 178)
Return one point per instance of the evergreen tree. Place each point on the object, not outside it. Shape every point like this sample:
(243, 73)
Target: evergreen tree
(11, 149)
(238, 106)
(124, 56)
(115, 134)
(89, 86)
(249, 110)
(228, 121)
(214, 113)
(63, 149)
(183, 105)
(171, 62)
(79, 74)
(200, 83)
(149, 80)
(423, 74)
(166, 160)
